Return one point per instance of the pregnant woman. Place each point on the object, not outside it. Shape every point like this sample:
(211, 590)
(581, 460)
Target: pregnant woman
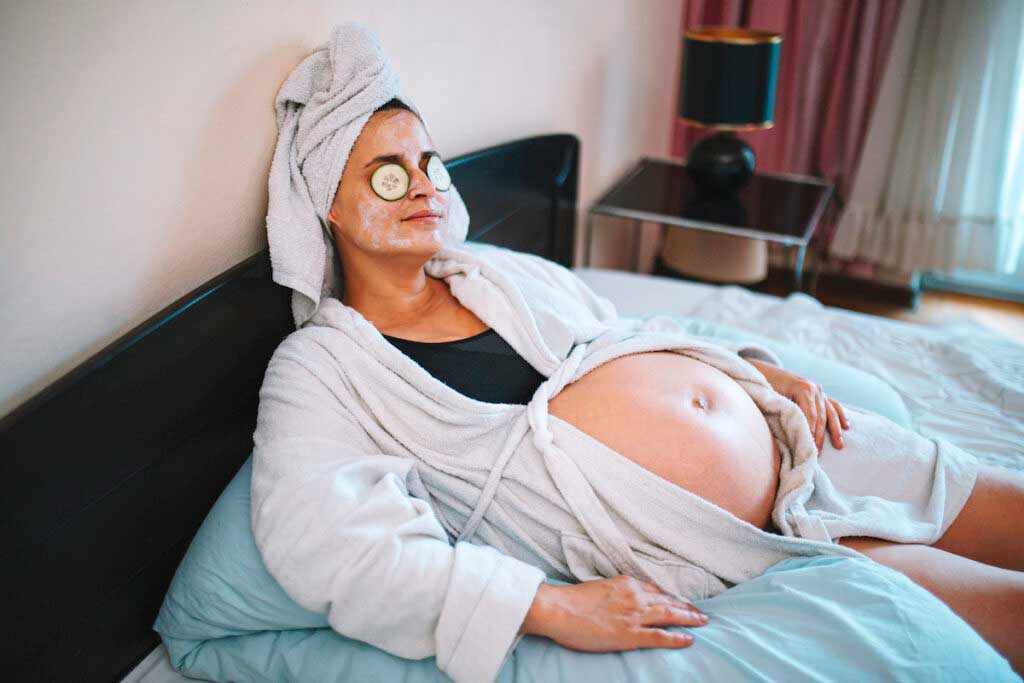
(435, 393)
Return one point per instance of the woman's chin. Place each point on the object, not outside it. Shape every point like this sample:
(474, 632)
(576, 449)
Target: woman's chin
(424, 243)
(428, 234)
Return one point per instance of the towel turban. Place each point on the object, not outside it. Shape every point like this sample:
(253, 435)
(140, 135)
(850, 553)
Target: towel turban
(321, 108)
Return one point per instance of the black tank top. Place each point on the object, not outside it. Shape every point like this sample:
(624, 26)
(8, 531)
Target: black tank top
(484, 367)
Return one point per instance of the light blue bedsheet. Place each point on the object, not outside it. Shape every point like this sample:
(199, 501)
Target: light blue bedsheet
(806, 619)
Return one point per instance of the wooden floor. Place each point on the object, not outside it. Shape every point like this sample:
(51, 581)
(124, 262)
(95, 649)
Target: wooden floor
(1005, 317)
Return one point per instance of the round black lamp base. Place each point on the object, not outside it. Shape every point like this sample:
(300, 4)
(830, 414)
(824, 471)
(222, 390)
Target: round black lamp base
(720, 164)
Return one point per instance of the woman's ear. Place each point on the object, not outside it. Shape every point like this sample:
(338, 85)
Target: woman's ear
(330, 227)
(332, 218)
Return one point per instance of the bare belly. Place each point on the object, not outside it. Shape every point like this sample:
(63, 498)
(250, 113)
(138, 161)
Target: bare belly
(685, 421)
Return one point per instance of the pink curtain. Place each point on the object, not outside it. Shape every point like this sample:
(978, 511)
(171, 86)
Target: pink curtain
(833, 54)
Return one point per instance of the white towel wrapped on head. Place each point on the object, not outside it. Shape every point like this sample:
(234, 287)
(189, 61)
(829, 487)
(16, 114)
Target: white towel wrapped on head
(321, 108)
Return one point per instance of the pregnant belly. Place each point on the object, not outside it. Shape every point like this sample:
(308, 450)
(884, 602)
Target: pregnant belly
(683, 420)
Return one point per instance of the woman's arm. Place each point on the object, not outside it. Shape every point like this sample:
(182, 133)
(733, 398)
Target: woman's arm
(337, 528)
(573, 297)
(748, 350)
(565, 281)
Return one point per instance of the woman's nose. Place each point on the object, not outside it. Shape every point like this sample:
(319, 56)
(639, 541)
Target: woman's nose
(420, 185)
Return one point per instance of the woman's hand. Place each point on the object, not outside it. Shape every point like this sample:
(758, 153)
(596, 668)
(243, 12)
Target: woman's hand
(821, 412)
(609, 615)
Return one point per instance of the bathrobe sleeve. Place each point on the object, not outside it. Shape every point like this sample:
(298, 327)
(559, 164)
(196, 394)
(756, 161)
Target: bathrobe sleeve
(566, 280)
(337, 528)
(748, 350)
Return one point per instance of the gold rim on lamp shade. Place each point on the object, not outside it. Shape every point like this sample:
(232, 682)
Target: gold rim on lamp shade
(730, 34)
(729, 126)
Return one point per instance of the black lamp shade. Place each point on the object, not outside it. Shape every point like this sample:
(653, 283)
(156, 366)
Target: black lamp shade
(728, 77)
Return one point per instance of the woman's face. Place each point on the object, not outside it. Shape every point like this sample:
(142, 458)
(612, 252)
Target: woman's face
(367, 222)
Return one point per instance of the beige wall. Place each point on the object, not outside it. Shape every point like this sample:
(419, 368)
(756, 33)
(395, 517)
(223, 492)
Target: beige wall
(137, 136)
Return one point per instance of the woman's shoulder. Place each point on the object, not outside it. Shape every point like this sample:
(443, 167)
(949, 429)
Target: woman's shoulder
(521, 263)
(313, 347)
(546, 283)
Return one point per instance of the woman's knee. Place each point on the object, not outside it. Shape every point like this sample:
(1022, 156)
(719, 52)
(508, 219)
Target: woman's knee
(987, 527)
(912, 559)
(948, 575)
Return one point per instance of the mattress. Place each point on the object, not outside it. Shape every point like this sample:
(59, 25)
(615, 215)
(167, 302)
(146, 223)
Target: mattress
(959, 380)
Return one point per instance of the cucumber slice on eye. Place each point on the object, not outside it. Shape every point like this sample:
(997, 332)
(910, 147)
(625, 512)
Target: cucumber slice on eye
(438, 174)
(390, 182)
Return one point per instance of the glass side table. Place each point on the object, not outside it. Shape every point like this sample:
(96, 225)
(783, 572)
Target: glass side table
(775, 207)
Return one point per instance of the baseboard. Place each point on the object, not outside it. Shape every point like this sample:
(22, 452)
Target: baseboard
(999, 287)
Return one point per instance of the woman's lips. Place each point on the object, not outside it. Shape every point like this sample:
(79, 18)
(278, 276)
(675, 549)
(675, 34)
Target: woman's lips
(427, 220)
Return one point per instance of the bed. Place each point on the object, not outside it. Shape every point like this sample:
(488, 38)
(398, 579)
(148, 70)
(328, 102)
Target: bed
(111, 470)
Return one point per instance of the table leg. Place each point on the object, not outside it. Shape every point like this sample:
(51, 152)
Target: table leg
(816, 271)
(588, 228)
(637, 233)
(798, 271)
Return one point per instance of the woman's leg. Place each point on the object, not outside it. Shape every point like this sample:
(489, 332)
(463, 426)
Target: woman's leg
(989, 598)
(988, 527)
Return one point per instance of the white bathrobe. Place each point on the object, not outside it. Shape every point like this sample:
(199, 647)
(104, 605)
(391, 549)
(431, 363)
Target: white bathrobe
(422, 521)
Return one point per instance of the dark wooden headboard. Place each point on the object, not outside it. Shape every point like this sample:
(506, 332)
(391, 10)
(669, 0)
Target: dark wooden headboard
(108, 472)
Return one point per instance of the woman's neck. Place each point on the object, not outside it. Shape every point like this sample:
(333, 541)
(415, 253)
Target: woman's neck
(407, 303)
(393, 302)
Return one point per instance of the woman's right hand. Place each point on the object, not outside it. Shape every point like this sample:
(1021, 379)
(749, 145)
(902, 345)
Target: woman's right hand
(609, 615)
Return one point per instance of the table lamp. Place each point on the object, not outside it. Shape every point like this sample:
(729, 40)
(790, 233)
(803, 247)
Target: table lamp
(728, 83)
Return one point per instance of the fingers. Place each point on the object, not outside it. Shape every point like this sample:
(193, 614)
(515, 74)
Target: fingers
(842, 414)
(664, 609)
(813, 405)
(809, 407)
(669, 614)
(820, 415)
(667, 611)
(834, 428)
(659, 598)
(656, 637)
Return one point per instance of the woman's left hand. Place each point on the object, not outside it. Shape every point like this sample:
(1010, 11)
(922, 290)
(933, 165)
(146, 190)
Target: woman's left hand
(821, 411)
